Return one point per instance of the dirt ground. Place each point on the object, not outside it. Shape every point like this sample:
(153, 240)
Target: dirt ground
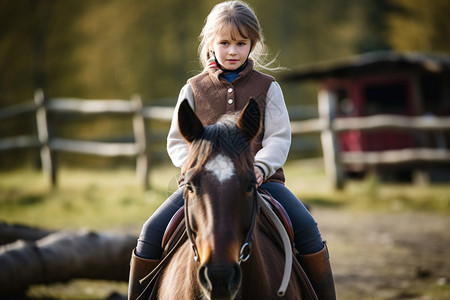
(379, 255)
(387, 255)
(382, 255)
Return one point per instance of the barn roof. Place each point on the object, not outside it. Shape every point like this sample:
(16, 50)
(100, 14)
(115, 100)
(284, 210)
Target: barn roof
(383, 62)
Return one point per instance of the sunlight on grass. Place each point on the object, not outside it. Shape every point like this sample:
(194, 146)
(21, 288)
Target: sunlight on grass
(105, 199)
(307, 179)
(112, 199)
(78, 289)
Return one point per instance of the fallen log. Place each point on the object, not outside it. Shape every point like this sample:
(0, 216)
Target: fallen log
(12, 232)
(65, 255)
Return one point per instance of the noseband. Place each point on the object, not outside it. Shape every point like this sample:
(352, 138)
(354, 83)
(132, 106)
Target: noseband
(246, 247)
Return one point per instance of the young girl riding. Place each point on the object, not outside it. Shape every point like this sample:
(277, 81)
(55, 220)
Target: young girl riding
(231, 47)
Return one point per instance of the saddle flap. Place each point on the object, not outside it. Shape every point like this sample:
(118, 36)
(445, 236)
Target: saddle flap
(281, 214)
(177, 218)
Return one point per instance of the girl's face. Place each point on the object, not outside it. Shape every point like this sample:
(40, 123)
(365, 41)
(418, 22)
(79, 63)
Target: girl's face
(231, 49)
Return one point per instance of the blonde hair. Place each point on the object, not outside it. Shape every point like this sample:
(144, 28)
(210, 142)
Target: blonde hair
(234, 15)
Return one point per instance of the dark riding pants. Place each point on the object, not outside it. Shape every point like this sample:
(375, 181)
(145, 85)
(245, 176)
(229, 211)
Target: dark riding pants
(306, 234)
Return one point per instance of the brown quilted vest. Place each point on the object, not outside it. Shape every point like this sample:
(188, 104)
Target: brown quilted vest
(214, 96)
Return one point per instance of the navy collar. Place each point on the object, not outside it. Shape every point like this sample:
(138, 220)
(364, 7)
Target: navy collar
(231, 75)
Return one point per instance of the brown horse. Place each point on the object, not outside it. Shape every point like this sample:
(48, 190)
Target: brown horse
(229, 253)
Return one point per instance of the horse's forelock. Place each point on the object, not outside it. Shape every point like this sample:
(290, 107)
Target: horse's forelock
(220, 138)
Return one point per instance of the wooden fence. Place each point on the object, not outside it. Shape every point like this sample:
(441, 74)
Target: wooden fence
(48, 145)
(327, 125)
(138, 149)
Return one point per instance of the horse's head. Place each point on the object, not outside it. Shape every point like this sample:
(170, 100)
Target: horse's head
(220, 200)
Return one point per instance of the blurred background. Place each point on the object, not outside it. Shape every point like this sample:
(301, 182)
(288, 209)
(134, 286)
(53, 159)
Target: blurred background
(92, 49)
(112, 49)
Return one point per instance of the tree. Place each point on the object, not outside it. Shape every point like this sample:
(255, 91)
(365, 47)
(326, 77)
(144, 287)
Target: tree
(419, 25)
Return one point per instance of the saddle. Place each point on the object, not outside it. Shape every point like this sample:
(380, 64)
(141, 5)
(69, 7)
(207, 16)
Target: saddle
(281, 213)
(175, 235)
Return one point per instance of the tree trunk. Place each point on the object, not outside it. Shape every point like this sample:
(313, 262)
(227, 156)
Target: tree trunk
(62, 256)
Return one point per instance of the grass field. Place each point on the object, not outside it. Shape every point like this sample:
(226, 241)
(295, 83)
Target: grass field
(101, 199)
(97, 199)
(112, 200)
(306, 178)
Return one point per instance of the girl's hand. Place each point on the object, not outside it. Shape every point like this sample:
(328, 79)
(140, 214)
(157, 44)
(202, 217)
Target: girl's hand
(259, 176)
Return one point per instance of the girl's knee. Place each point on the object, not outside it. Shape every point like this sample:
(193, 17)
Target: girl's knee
(306, 232)
(307, 237)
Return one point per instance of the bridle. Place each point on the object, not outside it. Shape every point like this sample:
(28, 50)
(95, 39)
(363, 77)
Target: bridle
(259, 202)
(246, 247)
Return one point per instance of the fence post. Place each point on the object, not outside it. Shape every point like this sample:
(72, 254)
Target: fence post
(47, 159)
(330, 146)
(140, 135)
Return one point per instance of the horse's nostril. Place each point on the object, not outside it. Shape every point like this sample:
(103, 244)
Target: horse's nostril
(204, 278)
(236, 278)
(220, 281)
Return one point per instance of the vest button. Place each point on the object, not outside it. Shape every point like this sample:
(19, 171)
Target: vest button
(230, 90)
(230, 101)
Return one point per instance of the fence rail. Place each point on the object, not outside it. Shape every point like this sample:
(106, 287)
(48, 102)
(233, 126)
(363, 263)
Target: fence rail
(48, 145)
(328, 125)
(423, 123)
(134, 108)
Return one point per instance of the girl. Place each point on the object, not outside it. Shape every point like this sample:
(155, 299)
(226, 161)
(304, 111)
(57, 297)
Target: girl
(231, 46)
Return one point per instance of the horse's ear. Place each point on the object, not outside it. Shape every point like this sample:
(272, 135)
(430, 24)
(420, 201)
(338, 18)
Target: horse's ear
(249, 121)
(189, 124)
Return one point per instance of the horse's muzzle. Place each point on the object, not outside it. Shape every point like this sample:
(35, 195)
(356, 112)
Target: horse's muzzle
(220, 282)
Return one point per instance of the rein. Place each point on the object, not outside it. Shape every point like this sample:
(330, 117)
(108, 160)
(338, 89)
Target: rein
(246, 248)
(286, 242)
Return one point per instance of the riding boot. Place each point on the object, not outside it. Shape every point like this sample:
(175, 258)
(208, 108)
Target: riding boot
(139, 268)
(318, 269)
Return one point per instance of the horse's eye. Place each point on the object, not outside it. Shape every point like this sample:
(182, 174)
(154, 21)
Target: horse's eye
(189, 188)
(250, 186)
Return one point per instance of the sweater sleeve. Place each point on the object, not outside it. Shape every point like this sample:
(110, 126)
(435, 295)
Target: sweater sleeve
(177, 146)
(277, 133)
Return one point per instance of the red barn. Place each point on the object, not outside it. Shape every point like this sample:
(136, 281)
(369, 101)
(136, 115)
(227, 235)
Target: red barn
(384, 83)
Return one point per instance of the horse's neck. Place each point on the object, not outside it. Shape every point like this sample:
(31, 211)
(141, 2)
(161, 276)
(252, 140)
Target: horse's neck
(255, 279)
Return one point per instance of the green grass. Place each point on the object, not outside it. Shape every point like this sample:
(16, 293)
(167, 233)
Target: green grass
(112, 198)
(306, 178)
(97, 199)
(78, 289)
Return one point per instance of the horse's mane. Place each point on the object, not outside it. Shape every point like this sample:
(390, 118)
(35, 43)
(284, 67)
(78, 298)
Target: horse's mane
(223, 138)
